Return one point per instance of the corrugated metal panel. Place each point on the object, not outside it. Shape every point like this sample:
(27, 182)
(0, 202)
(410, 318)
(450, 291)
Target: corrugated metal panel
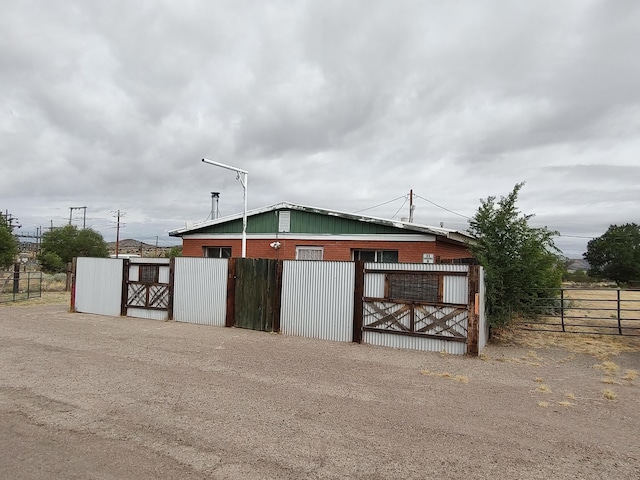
(483, 324)
(200, 290)
(317, 300)
(455, 287)
(147, 313)
(413, 343)
(161, 261)
(455, 290)
(99, 285)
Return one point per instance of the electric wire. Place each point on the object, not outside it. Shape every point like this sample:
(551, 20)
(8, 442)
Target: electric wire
(440, 206)
(380, 204)
(401, 206)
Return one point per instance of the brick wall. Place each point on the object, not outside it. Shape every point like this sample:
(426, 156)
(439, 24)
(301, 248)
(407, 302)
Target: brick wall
(408, 252)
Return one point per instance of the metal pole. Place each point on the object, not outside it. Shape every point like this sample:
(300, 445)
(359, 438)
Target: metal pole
(562, 308)
(619, 316)
(244, 180)
(244, 216)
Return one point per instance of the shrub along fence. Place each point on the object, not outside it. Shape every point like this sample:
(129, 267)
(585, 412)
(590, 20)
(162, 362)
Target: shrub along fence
(428, 307)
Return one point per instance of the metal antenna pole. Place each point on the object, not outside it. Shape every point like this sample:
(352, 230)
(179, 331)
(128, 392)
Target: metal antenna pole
(244, 180)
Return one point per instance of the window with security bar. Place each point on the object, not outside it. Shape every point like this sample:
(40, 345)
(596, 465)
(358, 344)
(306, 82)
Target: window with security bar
(414, 286)
(309, 253)
(148, 273)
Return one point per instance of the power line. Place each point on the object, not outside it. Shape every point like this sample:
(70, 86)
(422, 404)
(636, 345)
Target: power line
(443, 208)
(403, 204)
(381, 204)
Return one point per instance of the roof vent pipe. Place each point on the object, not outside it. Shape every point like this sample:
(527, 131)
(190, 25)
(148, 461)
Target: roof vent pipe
(215, 198)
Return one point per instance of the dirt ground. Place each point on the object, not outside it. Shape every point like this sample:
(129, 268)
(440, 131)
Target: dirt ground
(92, 397)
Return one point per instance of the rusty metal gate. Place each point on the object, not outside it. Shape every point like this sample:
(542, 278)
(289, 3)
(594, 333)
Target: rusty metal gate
(427, 304)
(257, 293)
(148, 289)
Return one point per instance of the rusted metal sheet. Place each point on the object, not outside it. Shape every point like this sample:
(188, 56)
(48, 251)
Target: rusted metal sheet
(200, 290)
(318, 300)
(99, 285)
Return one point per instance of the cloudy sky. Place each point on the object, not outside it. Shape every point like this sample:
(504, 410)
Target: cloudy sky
(337, 104)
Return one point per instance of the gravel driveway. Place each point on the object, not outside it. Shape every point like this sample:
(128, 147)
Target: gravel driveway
(91, 397)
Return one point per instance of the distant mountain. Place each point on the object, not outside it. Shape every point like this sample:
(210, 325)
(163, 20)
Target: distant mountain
(578, 264)
(130, 243)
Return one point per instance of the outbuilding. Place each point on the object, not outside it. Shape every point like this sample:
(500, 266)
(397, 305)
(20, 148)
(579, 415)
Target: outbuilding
(289, 231)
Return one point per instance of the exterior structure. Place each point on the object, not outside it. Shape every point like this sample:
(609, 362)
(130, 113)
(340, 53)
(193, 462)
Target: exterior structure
(289, 231)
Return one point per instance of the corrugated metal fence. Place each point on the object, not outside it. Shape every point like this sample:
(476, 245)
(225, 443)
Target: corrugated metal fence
(318, 299)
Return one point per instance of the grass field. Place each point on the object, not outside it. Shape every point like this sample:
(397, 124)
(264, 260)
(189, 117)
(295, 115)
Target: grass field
(604, 311)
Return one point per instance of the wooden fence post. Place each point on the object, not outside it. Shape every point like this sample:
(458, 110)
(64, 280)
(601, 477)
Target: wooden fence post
(473, 334)
(74, 268)
(231, 294)
(277, 300)
(125, 287)
(172, 275)
(358, 309)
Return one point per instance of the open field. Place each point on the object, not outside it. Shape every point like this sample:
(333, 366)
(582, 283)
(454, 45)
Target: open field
(594, 311)
(85, 396)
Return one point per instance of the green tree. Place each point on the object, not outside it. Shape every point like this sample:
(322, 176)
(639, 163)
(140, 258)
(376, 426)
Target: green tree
(174, 252)
(8, 244)
(69, 242)
(519, 260)
(616, 254)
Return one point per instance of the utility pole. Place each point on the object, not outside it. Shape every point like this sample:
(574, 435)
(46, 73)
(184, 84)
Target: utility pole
(84, 217)
(155, 253)
(412, 207)
(10, 219)
(118, 216)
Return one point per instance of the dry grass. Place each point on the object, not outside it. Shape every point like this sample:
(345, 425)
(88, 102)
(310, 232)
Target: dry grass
(543, 404)
(570, 396)
(564, 403)
(609, 381)
(45, 299)
(602, 347)
(542, 388)
(609, 394)
(608, 367)
(630, 375)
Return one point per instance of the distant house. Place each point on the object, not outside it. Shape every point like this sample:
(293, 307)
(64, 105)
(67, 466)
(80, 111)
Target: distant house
(288, 231)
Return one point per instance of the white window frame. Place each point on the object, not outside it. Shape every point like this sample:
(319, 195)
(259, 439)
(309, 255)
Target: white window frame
(377, 253)
(220, 249)
(303, 250)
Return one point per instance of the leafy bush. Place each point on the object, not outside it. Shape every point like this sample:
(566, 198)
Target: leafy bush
(520, 261)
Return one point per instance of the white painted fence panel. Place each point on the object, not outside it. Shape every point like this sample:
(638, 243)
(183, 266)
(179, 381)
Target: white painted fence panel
(200, 290)
(317, 299)
(99, 285)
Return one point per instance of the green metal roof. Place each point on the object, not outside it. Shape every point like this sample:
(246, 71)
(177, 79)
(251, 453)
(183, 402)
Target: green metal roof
(311, 220)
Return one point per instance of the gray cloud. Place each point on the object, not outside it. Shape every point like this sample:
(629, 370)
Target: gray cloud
(336, 104)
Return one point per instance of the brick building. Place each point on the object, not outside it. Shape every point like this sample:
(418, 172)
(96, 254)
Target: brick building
(288, 231)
